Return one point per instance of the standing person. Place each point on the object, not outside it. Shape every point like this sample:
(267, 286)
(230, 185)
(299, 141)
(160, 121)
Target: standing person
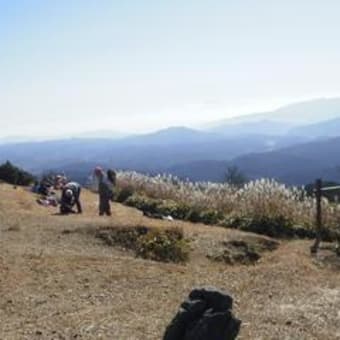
(105, 190)
(70, 196)
(111, 175)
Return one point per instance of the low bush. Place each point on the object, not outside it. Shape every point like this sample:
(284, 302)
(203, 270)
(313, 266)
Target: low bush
(125, 236)
(176, 210)
(166, 245)
(123, 194)
(261, 206)
(143, 203)
(210, 216)
(247, 250)
(279, 226)
(237, 252)
(206, 216)
(163, 245)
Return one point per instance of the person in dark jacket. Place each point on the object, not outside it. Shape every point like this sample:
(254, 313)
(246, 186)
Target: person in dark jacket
(105, 190)
(70, 196)
(111, 176)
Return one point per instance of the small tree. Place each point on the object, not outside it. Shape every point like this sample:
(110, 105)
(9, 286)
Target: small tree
(235, 177)
(14, 175)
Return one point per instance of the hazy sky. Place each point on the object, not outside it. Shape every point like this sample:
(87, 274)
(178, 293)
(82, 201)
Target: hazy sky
(73, 65)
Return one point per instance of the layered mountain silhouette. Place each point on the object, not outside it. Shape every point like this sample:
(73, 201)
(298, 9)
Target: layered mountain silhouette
(293, 144)
(296, 165)
(154, 152)
(328, 128)
(302, 113)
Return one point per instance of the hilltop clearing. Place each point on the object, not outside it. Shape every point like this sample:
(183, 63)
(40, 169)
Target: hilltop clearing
(58, 281)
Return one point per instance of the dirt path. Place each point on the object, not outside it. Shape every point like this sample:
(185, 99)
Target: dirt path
(57, 285)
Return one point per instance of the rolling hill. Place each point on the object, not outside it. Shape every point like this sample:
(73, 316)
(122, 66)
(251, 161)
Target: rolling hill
(58, 281)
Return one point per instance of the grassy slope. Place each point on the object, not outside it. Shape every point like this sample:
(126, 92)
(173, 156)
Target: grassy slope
(60, 286)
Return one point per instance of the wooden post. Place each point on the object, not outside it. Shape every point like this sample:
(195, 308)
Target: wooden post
(318, 196)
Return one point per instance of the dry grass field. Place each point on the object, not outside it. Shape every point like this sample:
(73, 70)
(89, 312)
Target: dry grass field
(57, 281)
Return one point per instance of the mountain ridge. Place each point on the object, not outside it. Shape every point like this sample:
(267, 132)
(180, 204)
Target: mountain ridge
(296, 165)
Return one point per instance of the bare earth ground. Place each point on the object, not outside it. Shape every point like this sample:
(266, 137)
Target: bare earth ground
(56, 285)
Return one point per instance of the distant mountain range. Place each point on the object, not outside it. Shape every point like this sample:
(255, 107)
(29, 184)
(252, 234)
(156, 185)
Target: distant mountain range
(294, 144)
(107, 134)
(297, 165)
(328, 128)
(302, 113)
(154, 152)
(285, 120)
(261, 127)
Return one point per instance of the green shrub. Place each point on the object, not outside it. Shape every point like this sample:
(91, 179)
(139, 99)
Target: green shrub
(124, 236)
(123, 194)
(166, 245)
(163, 245)
(176, 210)
(143, 203)
(167, 208)
(278, 226)
(182, 211)
(193, 216)
(210, 216)
(179, 211)
(264, 225)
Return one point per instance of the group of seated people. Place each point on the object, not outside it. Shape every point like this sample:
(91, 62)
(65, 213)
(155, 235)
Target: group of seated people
(48, 184)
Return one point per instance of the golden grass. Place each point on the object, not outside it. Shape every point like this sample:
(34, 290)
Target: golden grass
(56, 285)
